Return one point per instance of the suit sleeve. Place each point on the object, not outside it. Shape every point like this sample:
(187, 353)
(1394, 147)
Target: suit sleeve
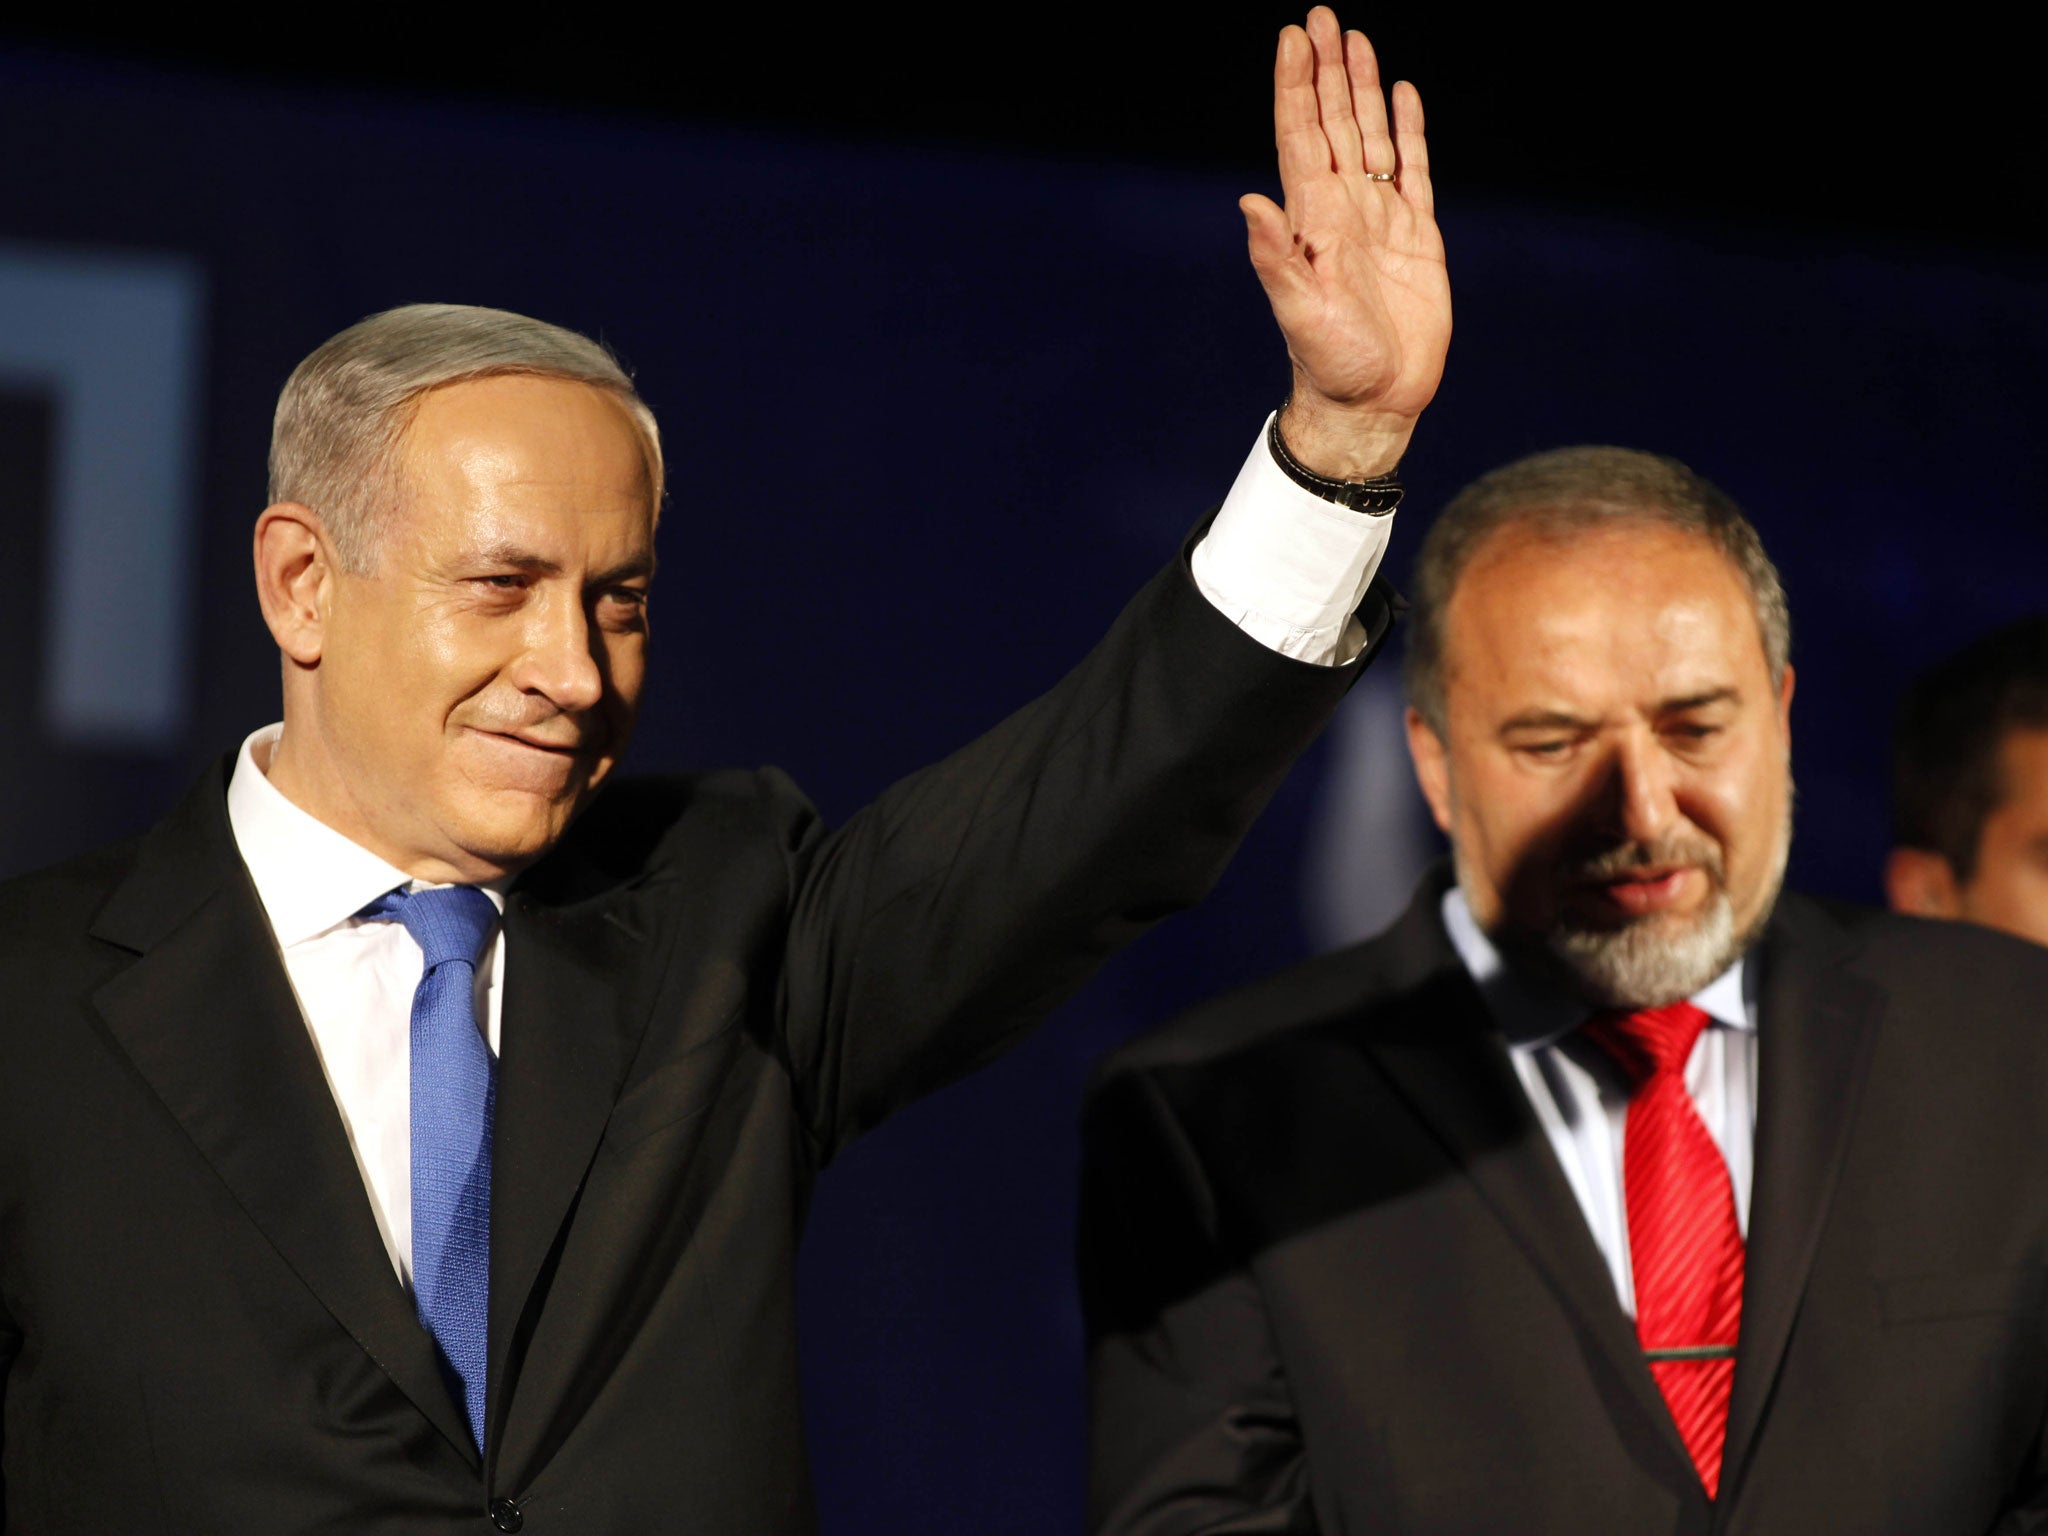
(974, 896)
(1191, 1429)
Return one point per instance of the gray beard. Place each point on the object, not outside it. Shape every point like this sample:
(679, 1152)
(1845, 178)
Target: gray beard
(1645, 964)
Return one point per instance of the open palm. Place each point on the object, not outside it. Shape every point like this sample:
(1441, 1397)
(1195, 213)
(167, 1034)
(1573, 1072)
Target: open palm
(1353, 264)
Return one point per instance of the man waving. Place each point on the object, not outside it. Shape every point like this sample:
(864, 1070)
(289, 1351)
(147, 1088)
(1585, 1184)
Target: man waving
(412, 1132)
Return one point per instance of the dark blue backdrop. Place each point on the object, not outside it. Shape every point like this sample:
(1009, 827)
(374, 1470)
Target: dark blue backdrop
(931, 417)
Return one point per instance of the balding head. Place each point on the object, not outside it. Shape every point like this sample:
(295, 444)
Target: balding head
(1599, 719)
(335, 439)
(1561, 495)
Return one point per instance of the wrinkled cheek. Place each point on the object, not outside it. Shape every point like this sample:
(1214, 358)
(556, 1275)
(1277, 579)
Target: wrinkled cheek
(1498, 873)
(1754, 862)
(1534, 888)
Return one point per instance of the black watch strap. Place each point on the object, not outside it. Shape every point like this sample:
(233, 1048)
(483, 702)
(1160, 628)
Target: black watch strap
(1376, 497)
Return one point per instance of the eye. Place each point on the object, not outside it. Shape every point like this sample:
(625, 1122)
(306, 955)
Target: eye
(1547, 750)
(622, 607)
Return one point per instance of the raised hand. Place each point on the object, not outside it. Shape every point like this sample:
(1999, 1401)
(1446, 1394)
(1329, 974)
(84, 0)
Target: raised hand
(1353, 265)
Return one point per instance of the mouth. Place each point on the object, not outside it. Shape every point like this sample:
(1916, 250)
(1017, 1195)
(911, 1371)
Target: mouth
(1645, 892)
(528, 763)
(532, 742)
(571, 749)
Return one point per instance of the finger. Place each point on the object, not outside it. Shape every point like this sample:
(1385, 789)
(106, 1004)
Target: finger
(1297, 127)
(1411, 148)
(1333, 91)
(1368, 105)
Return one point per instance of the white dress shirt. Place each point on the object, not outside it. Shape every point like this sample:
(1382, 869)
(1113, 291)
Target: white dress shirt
(1285, 566)
(1581, 1098)
(354, 978)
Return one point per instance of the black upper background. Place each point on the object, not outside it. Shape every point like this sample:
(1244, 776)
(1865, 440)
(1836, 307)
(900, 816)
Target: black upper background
(1925, 131)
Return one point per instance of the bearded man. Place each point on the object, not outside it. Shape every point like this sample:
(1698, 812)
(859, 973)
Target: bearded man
(1610, 1189)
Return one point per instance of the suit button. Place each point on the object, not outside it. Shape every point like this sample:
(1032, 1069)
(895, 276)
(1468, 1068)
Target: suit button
(505, 1515)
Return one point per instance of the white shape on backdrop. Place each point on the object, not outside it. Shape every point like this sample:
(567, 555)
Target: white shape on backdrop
(1370, 836)
(114, 339)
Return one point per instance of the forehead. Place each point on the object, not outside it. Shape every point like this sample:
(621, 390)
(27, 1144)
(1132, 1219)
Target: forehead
(544, 454)
(1622, 612)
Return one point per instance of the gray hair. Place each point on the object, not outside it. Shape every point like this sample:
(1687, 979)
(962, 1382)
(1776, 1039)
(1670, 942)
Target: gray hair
(1561, 495)
(345, 409)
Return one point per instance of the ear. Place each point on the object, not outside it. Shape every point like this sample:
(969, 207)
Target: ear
(1921, 882)
(294, 579)
(1432, 769)
(1785, 700)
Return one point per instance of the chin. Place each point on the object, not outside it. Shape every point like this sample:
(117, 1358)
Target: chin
(1651, 961)
(507, 844)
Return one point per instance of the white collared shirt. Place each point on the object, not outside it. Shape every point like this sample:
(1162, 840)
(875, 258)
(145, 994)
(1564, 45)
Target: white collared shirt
(1287, 567)
(354, 978)
(1581, 1099)
(1282, 564)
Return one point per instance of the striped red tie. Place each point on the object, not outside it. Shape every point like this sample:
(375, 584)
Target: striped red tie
(1684, 1243)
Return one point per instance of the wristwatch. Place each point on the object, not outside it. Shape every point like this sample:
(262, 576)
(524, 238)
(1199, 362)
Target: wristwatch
(1376, 497)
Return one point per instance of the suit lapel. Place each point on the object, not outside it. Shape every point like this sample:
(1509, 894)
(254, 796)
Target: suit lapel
(1816, 1028)
(569, 1037)
(208, 1018)
(1453, 1070)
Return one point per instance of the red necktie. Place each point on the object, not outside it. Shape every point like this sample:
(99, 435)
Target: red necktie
(1684, 1243)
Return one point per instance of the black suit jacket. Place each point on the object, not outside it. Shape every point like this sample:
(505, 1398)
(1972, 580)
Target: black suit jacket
(706, 996)
(1336, 1281)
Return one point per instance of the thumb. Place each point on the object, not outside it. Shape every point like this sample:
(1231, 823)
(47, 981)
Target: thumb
(1268, 237)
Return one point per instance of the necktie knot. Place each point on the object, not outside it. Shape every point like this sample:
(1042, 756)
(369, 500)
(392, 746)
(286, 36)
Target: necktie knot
(1649, 1041)
(448, 922)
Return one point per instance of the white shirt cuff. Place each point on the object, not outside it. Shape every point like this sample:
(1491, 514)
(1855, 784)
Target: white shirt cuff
(1287, 567)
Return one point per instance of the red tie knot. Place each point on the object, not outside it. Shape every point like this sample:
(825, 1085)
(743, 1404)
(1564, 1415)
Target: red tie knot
(1650, 1040)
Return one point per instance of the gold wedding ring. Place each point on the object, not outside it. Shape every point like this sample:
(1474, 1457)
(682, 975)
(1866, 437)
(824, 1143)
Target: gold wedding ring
(1379, 175)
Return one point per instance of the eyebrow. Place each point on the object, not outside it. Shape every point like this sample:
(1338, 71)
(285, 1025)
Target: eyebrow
(639, 565)
(1698, 701)
(539, 565)
(1546, 719)
(1564, 720)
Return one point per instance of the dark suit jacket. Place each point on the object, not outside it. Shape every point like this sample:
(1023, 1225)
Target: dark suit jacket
(1336, 1280)
(707, 995)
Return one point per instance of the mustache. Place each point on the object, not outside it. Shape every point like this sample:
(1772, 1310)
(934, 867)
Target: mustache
(1627, 858)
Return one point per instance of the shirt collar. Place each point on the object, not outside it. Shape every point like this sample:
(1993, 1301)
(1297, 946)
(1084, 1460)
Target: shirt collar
(1532, 1015)
(309, 877)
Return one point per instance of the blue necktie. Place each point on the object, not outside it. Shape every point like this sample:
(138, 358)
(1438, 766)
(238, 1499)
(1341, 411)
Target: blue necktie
(454, 1098)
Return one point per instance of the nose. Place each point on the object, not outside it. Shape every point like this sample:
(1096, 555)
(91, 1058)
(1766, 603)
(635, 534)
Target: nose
(1645, 802)
(560, 661)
